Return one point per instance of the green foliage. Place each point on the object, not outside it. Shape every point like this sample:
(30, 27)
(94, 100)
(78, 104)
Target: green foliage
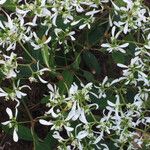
(82, 68)
(91, 62)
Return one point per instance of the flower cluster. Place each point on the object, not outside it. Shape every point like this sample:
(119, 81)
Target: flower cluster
(87, 115)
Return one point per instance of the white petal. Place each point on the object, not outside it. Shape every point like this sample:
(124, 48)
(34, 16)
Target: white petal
(56, 135)
(9, 112)
(105, 80)
(51, 111)
(110, 21)
(43, 81)
(147, 46)
(48, 40)
(3, 93)
(50, 87)
(20, 94)
(2, 2)
(82, 26)
(73, 89)
(122, 65)
(54, 19)
(105, 45)
(54, 115)
(11, 74)
(91, 13)
(15, 135)
(44, 69)
(82, 117)
(22, 12)
(44, 122)
(126, 28)
(72, 38)
(10, 22)
(1, 26)
(115, 6)
(36, 47)
(147, 119)
(75, 23)
(81, 135)
(72, 112)
(110, 103)
(5, 123)
(99, 138)
(113, 31)
(69, 129)
(124, 45)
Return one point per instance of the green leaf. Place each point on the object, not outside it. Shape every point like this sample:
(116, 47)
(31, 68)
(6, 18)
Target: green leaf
(66, 82)
(91, 62)
(96, 33)
(89, 76)
(9, 5)
(23, 132)
(49, 143)
(24, 72)
(45, 100)
(77, 62)
(45, 55)
(118, 57)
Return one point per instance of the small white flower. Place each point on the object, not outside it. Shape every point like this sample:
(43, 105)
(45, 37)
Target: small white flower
(114, 46)
(9, 68)
(12, 123)
(76, 112)
(40, 43)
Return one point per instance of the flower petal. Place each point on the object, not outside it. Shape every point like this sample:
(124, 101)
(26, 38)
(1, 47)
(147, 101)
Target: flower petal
(15, 135)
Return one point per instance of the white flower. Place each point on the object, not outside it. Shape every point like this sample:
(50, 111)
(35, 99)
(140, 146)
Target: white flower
(40, 43)
(15, 93)
(76, 112)
(102, 88)
(2, 2)
(132, 15)
(9, 68)
(12, 123)
(115, 108)
(114, 46)
(17, 89)
(136, 66)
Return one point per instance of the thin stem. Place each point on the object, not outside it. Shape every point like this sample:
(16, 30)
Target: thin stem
(32, 121)
(27, 51)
